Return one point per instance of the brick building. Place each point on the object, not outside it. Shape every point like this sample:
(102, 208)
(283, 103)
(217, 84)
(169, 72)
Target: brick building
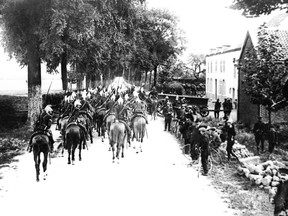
(248, 112)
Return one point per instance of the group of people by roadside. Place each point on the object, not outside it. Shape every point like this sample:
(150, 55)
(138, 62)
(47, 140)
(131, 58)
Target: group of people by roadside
(227, 106)
(265, 131)
(196, 132)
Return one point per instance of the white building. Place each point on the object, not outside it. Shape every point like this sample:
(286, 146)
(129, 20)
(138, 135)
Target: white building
(221, 73)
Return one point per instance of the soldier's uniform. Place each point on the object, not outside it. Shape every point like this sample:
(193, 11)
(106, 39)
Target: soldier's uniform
(43, 125)
(204, 148)
(259, 131)
(168, 113)
(139, 108)
(122, 115)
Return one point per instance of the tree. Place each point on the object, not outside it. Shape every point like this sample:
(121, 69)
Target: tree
(161, 37)
(68, 28)
(263, 69)
(22, 24)
(258, 7)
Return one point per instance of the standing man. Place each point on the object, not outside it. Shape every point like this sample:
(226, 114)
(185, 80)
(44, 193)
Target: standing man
(204, 148)
(259, 130)
(225, 108)
(230, 132)
(273, 138)
(217, 109)
(168, 112)
(229, 107)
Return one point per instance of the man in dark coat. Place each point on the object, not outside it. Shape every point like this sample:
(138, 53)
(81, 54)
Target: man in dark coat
(204, 148)
(229, 135)
(217, 108)
(43, 125)
(168, 113)
(259, 132)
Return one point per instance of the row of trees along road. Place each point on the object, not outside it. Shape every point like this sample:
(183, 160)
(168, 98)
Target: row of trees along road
(101, 39)
(265, 66)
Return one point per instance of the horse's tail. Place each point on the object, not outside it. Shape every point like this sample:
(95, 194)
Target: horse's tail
(113, 137)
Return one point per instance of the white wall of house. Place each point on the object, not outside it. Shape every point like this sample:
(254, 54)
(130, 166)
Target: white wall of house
(221, 73)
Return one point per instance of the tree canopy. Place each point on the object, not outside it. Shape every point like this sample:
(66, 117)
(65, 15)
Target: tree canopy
(264, 68)
(255, 8)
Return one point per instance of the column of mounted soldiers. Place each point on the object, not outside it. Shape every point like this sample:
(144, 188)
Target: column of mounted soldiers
(89, 110)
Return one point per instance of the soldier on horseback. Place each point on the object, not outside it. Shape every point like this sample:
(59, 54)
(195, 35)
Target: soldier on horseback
(153, 94)
(42, 126)
(74, 118)
(139, 108)
(122, 115)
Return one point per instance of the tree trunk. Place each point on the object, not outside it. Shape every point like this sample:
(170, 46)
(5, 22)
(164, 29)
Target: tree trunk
(129, 74)
(269, 115)
(145, 79)
(34, 88)
(155, 75)
(64, 71)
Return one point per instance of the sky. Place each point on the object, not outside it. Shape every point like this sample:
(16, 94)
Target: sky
(208, 23)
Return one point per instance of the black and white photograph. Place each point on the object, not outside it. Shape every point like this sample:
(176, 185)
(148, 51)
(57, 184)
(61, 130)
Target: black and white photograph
(144, 107)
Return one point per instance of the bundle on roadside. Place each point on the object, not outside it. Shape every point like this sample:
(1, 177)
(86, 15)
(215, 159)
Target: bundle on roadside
(239, 150)
(266, 175)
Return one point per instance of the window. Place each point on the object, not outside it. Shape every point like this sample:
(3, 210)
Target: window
(211, 67)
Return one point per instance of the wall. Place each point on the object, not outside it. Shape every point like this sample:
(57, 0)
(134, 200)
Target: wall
(13, 111)
(221, 66)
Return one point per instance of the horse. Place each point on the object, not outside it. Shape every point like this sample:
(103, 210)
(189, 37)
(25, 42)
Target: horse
(139, 129)
(74, 138)
(117, 136)
(61, 125)
(99, 119)
(86, 119)
(40, 144)
(154, 108)
(109, 119)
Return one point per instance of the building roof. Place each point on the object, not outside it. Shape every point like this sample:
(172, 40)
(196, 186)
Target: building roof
(252, 34)
(225, 49)
(279, 21)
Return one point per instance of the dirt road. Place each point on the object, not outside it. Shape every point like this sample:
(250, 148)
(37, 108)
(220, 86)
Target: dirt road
(154, 182)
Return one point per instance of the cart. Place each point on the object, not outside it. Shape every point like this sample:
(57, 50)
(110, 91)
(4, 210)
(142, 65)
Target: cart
(200, 102)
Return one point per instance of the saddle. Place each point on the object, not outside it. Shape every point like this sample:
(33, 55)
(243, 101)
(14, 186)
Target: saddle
(83, 128)
(107, 114)
(138, 114)
(85, 113)
(100, 109)
(43, 132)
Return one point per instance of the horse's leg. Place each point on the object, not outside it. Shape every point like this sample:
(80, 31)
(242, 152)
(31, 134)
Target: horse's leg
(118, 149)
(113, 151)
(63, 144)
(74, 146)
(68, 146)
(36, 165)
(44, 164)
(102, 133)
(91, 134)
(122, 146)
(80, 148)
(69, 155)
